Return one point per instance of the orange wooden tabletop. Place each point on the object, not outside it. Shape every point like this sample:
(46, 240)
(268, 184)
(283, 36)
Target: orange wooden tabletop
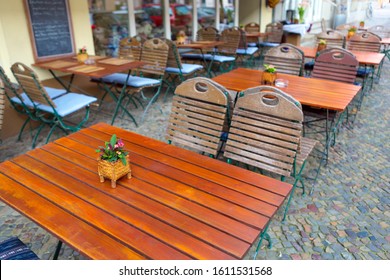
(177, 205)
(385, 41)
(200, 44)
(368, 58)
(103, 66)
(308, 91)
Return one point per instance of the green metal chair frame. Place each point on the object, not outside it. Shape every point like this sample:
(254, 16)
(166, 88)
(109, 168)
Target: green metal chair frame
(45, 108)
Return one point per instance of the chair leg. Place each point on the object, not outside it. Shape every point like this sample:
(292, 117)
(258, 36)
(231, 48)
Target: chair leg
(58, 248)
(22, 128)
(263, 235)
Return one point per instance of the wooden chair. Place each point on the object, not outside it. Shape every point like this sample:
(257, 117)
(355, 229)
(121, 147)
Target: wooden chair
(176, 69)
(367, 42)
(2, 105)
(225, 60)
(246, 54)
(364, 41)
(14, 249)
(252, 27)
(380, 30)
(21, 103)
(274, 36)
(51, 111)
(333, 38)
(198, 116)
(334, 64)
(130, 48)
(155, 56)
(207, 34)
(266, 133)
(286, 58)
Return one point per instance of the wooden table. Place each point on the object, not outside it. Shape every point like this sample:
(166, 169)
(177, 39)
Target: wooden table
(366, 58)
(177, 205)
(313, 92)
(102, 67)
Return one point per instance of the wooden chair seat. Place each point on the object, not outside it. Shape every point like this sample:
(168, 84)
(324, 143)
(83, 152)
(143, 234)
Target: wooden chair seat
(305, 149)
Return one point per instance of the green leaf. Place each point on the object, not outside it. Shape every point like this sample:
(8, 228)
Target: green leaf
(113, 140)
(124, 161)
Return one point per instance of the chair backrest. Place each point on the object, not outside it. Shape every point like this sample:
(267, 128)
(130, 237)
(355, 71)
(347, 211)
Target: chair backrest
(364, 41)
(155, 55)
(2, 103)
(336, 64)
(333, 38)
(130, 48)
(274, 32)
(231, 38)
(198, 114)
(174, 58)
(380, 30)
(252, 27)
(207, 34)
(286, 58)
(31, 84)
(265, 131)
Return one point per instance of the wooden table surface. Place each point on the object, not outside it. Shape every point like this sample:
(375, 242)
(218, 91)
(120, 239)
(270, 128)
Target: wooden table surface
(367, 58)
(318, 93)
(177, 205)
(104, 68)
(200, 45)
(385, 41)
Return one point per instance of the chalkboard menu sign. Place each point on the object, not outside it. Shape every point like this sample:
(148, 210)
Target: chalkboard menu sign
(50, 28)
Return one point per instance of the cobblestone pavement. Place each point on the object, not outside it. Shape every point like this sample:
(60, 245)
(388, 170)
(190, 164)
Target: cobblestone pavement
(346, 217)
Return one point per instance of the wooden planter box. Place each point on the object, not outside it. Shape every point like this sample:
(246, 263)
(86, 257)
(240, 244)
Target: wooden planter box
(268, 78)
(113, 170)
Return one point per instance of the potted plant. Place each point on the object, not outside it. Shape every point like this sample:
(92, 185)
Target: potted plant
(269, 75)
(351, 31)
(113, 161)
(321, 45)
(361, 24)
(82, 56)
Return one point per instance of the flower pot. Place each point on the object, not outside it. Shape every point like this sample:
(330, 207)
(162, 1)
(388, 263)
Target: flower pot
(82, 57)
(361, 24)
(350, 34)
(113, 170)
(321, 47)
(268, 78)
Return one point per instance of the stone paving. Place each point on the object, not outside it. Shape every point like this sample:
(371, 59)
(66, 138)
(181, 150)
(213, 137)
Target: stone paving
(346, 217)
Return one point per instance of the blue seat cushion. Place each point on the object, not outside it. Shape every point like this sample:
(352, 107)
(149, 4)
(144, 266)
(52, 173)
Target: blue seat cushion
(133, 81)
(14, 249)
(222, 58)
(52, 92)
(196, 56)
(68, 103)
(309, 65)
(252, 44)
(186, 68)
(268, 44)
(248, 51)
(363, 71)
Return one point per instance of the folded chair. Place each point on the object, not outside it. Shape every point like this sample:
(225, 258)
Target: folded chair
(266, 133)
(22, 104)
(286, 58)
(14, 249)
(155, 56)
(199, 116)
(51, 111)
(176, 70)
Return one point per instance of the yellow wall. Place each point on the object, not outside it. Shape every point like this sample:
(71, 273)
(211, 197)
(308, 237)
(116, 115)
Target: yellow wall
(249, 12)
(15, 45)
